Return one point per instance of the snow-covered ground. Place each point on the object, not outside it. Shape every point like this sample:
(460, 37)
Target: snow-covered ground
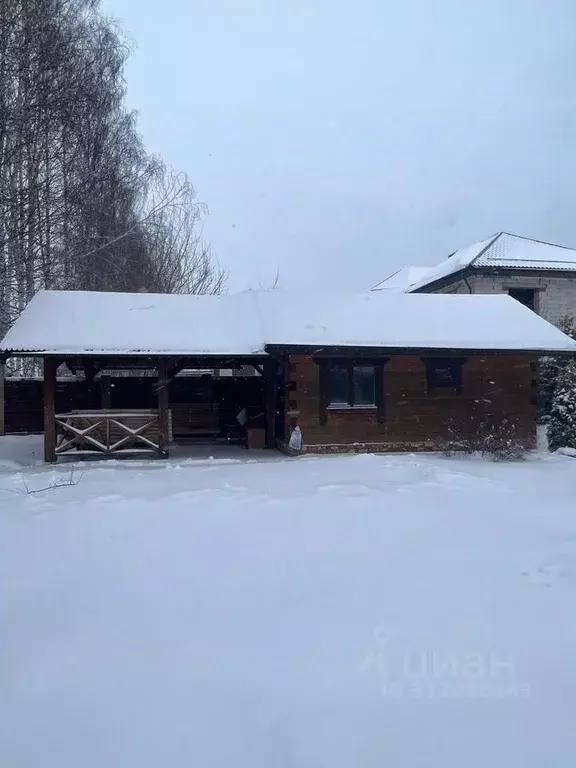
(349, 611)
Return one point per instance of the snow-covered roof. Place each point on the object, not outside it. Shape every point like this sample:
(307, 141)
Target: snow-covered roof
(504, 251)
(245, 324)
(76, 322)
(400, 320)
(457, 261)
(402, 279)
(514, 251)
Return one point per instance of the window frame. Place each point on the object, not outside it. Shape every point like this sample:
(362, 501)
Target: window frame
(326, 364)
(435, 385)
(349, 366)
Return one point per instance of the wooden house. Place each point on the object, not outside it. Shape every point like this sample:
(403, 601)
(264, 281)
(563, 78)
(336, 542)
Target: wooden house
(356, 372)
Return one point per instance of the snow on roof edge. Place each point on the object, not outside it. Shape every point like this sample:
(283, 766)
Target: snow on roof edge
(402, 279)
(243, 325)
(455, 262)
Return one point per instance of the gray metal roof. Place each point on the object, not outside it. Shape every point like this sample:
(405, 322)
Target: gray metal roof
(502, 251)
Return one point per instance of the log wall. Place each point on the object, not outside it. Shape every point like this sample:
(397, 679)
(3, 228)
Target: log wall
(493, 388)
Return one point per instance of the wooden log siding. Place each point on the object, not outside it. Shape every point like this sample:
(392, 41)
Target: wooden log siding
(379, 391)
(408, 417)
(270, 372)
(323, 391)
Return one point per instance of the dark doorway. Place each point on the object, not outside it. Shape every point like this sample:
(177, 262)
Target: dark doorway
(526, 296)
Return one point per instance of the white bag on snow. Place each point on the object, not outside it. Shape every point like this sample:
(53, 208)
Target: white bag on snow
(296, 439)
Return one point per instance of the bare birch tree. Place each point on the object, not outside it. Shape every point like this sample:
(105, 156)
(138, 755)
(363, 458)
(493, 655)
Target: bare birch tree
(82, 205)
(179, 260)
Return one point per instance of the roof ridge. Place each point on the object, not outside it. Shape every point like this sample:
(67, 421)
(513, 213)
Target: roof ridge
(483, 240)
(535, 240)
(389, 277)
(483, 251)
(405, 268)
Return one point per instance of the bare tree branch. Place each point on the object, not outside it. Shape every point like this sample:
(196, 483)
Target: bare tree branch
(82, 205)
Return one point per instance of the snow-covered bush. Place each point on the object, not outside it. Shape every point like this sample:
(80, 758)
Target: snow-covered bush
(549, 369)
(455, 442)
(495, 440)
(562, 423)
(499, 441)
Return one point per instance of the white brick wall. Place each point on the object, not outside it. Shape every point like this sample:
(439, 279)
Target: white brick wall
(555, 298)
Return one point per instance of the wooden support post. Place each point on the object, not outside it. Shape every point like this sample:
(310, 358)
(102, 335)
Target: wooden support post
(163, 408)
(270, 386)
(90, 372)
(50, 366)
(105, 392)
(2, 397)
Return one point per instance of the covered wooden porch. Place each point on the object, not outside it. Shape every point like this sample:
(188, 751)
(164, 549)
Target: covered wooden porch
(105, 431)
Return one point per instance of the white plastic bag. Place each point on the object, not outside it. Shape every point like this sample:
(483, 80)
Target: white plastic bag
(296, 439)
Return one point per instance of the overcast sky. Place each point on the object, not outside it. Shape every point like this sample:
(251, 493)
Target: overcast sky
(337, 140)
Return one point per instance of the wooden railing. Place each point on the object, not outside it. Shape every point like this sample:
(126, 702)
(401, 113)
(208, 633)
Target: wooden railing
(107, 432)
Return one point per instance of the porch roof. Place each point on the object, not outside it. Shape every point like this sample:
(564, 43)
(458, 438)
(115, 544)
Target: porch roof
(80, 323)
